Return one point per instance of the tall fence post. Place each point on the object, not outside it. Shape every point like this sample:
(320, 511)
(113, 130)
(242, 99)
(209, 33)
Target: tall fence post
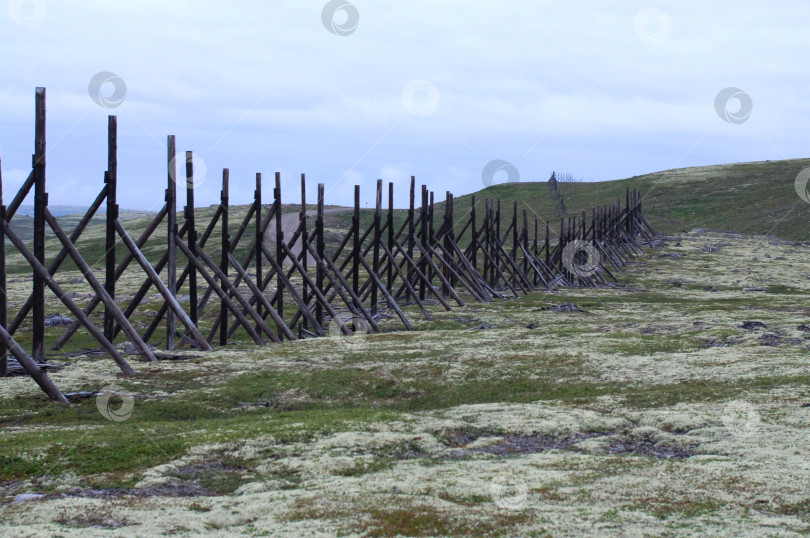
(225, 246)
(171, 224)
(319, 248)
(356, 242)
(192, 238)
(411, 226)
(375, 260)
(258, 235)
(112, 213)
(306, 294)
(40, 203)
(279, 251)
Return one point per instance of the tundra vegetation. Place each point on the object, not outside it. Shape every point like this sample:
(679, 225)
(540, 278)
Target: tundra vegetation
(675, 402)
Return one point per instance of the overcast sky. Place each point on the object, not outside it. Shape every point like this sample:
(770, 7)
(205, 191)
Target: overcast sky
(351, 92)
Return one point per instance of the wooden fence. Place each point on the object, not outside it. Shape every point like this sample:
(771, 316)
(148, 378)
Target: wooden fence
(288, 286)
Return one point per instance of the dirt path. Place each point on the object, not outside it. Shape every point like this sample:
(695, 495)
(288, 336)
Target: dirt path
(289, 224)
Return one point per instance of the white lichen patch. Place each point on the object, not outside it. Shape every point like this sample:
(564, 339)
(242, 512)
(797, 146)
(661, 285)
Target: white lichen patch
(651, 411)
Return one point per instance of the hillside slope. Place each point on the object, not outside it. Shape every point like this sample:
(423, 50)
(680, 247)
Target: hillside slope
(756, 197)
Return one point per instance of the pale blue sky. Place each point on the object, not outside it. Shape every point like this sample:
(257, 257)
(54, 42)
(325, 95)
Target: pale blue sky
(604, 90)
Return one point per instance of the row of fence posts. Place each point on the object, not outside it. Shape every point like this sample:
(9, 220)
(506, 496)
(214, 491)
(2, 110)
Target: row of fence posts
(421, 262)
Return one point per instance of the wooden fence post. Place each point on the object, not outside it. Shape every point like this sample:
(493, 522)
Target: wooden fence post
(306, 296)
(171, 248)
(225, 249)
(40, 203)
(319, 247)
(279, 251)
(192, 238)
(112, 213)
(258, 235)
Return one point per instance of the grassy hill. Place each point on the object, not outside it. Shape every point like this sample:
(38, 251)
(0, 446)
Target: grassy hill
(756, 198)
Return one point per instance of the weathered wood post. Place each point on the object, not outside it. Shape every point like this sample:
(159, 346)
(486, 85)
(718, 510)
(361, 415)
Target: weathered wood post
(423, 241)
(171, 246)
(279, 251)
(258, 236)
(319, 247)
(411, 225)
(375, 250)
(448, 232)
(40, 203)
(111, 178)
(225, 249)
(487, 246)
(390, 224)
(192, 238)
(356, 242)
(306, 295)
(497, 236)
(474, 244)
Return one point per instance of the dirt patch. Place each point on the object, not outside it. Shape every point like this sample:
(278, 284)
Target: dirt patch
(649, 449)
(512, 445)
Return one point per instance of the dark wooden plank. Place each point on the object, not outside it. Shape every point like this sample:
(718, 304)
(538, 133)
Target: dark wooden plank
(258, 235)
(279, 250)
(375, 260)
(319, 246)
(171, 248)
(111, 179)
(31, 367)
(40, 203)
(191, 238)
(225, 250)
